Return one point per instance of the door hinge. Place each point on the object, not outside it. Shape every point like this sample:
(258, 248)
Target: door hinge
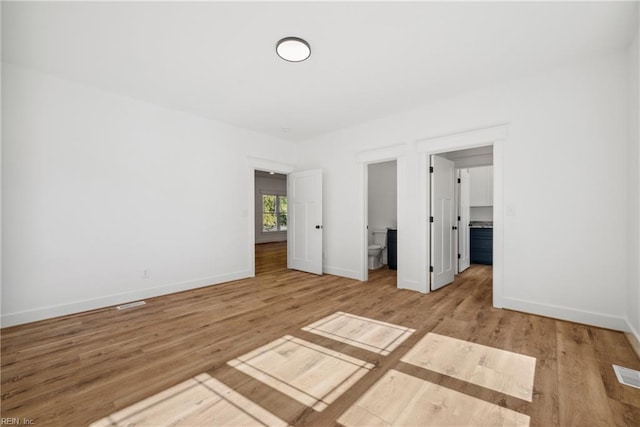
(430, 169)
(459, 256)
(459, 218)
(431, 269)
(458, 180)
(430, 219)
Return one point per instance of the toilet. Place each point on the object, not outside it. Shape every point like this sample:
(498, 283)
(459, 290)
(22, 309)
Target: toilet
(376, 249)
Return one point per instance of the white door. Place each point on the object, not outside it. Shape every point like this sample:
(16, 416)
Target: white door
(304, 229)
(442, 232)
(463, 223)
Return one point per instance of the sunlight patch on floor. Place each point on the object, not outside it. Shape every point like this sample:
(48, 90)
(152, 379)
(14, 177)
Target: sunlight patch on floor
(499, 370)
(373, 335)
(398, 399)
(313, 375)
(199, 401)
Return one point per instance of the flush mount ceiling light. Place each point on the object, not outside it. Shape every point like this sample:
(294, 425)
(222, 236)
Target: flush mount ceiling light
(293, 49)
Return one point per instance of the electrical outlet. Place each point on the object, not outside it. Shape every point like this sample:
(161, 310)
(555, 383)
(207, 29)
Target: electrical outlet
(146, 273)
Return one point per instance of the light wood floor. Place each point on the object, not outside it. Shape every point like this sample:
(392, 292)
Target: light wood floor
(79, 369)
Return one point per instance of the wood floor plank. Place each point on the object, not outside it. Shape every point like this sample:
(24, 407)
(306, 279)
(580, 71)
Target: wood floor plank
(400, 399)
(542, 344)
(504, 371)
(75, 370)
(583, 398)
(624, 415)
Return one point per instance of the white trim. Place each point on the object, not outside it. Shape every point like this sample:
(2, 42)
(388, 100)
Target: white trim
(272, 236)
(342, 272)
(462, 140)
(267, 165)
(496, 136)
(363, 235)
(498, 223)
(256, 163)
(382, 154)
(402, 177)
(634, 337)
(75, 307)
(413, 285)
(565, 313)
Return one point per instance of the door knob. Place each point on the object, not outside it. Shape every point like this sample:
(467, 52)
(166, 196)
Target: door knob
(318, 227)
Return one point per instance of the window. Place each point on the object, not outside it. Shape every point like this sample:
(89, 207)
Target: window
(274, 213)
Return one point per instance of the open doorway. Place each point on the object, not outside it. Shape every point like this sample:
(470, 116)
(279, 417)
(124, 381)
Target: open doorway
(382, 221)
(461, 214)
(271, 220)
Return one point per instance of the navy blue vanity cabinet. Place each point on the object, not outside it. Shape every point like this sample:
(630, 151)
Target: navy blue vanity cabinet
(481, 246)
(392, 248)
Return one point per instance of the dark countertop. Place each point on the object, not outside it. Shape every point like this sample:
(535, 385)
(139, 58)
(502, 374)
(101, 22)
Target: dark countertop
(481, 224)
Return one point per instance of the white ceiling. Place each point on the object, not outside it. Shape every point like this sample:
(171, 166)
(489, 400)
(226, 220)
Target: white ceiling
(368, 60)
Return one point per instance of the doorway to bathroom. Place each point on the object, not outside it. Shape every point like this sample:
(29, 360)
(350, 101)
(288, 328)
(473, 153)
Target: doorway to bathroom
(382, 221)
(271, 220)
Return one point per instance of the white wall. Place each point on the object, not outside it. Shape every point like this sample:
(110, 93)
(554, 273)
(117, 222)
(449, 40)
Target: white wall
(98, 187)
(633, 300)
(383, 195)
(481, 213)
(278, 186)
(565, 183)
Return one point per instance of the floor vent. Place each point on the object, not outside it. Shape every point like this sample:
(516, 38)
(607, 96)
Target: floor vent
(130, 305)
(627, 376)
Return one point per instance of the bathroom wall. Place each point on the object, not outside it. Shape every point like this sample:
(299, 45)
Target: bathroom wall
(383, 196)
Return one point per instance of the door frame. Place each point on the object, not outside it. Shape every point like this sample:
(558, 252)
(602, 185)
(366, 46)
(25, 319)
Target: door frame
(495, 136)
(265, 165)
(365, 158)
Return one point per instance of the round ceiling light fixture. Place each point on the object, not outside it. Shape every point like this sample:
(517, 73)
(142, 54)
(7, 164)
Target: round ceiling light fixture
(293, 49)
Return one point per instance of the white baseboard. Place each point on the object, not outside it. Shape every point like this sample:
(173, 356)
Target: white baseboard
(33, 315)
(564, 313)
(342, 272)
(634, 338)
(412, 285)
(271, 239)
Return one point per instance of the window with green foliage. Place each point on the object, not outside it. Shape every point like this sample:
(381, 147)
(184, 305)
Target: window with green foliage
(274, 212)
